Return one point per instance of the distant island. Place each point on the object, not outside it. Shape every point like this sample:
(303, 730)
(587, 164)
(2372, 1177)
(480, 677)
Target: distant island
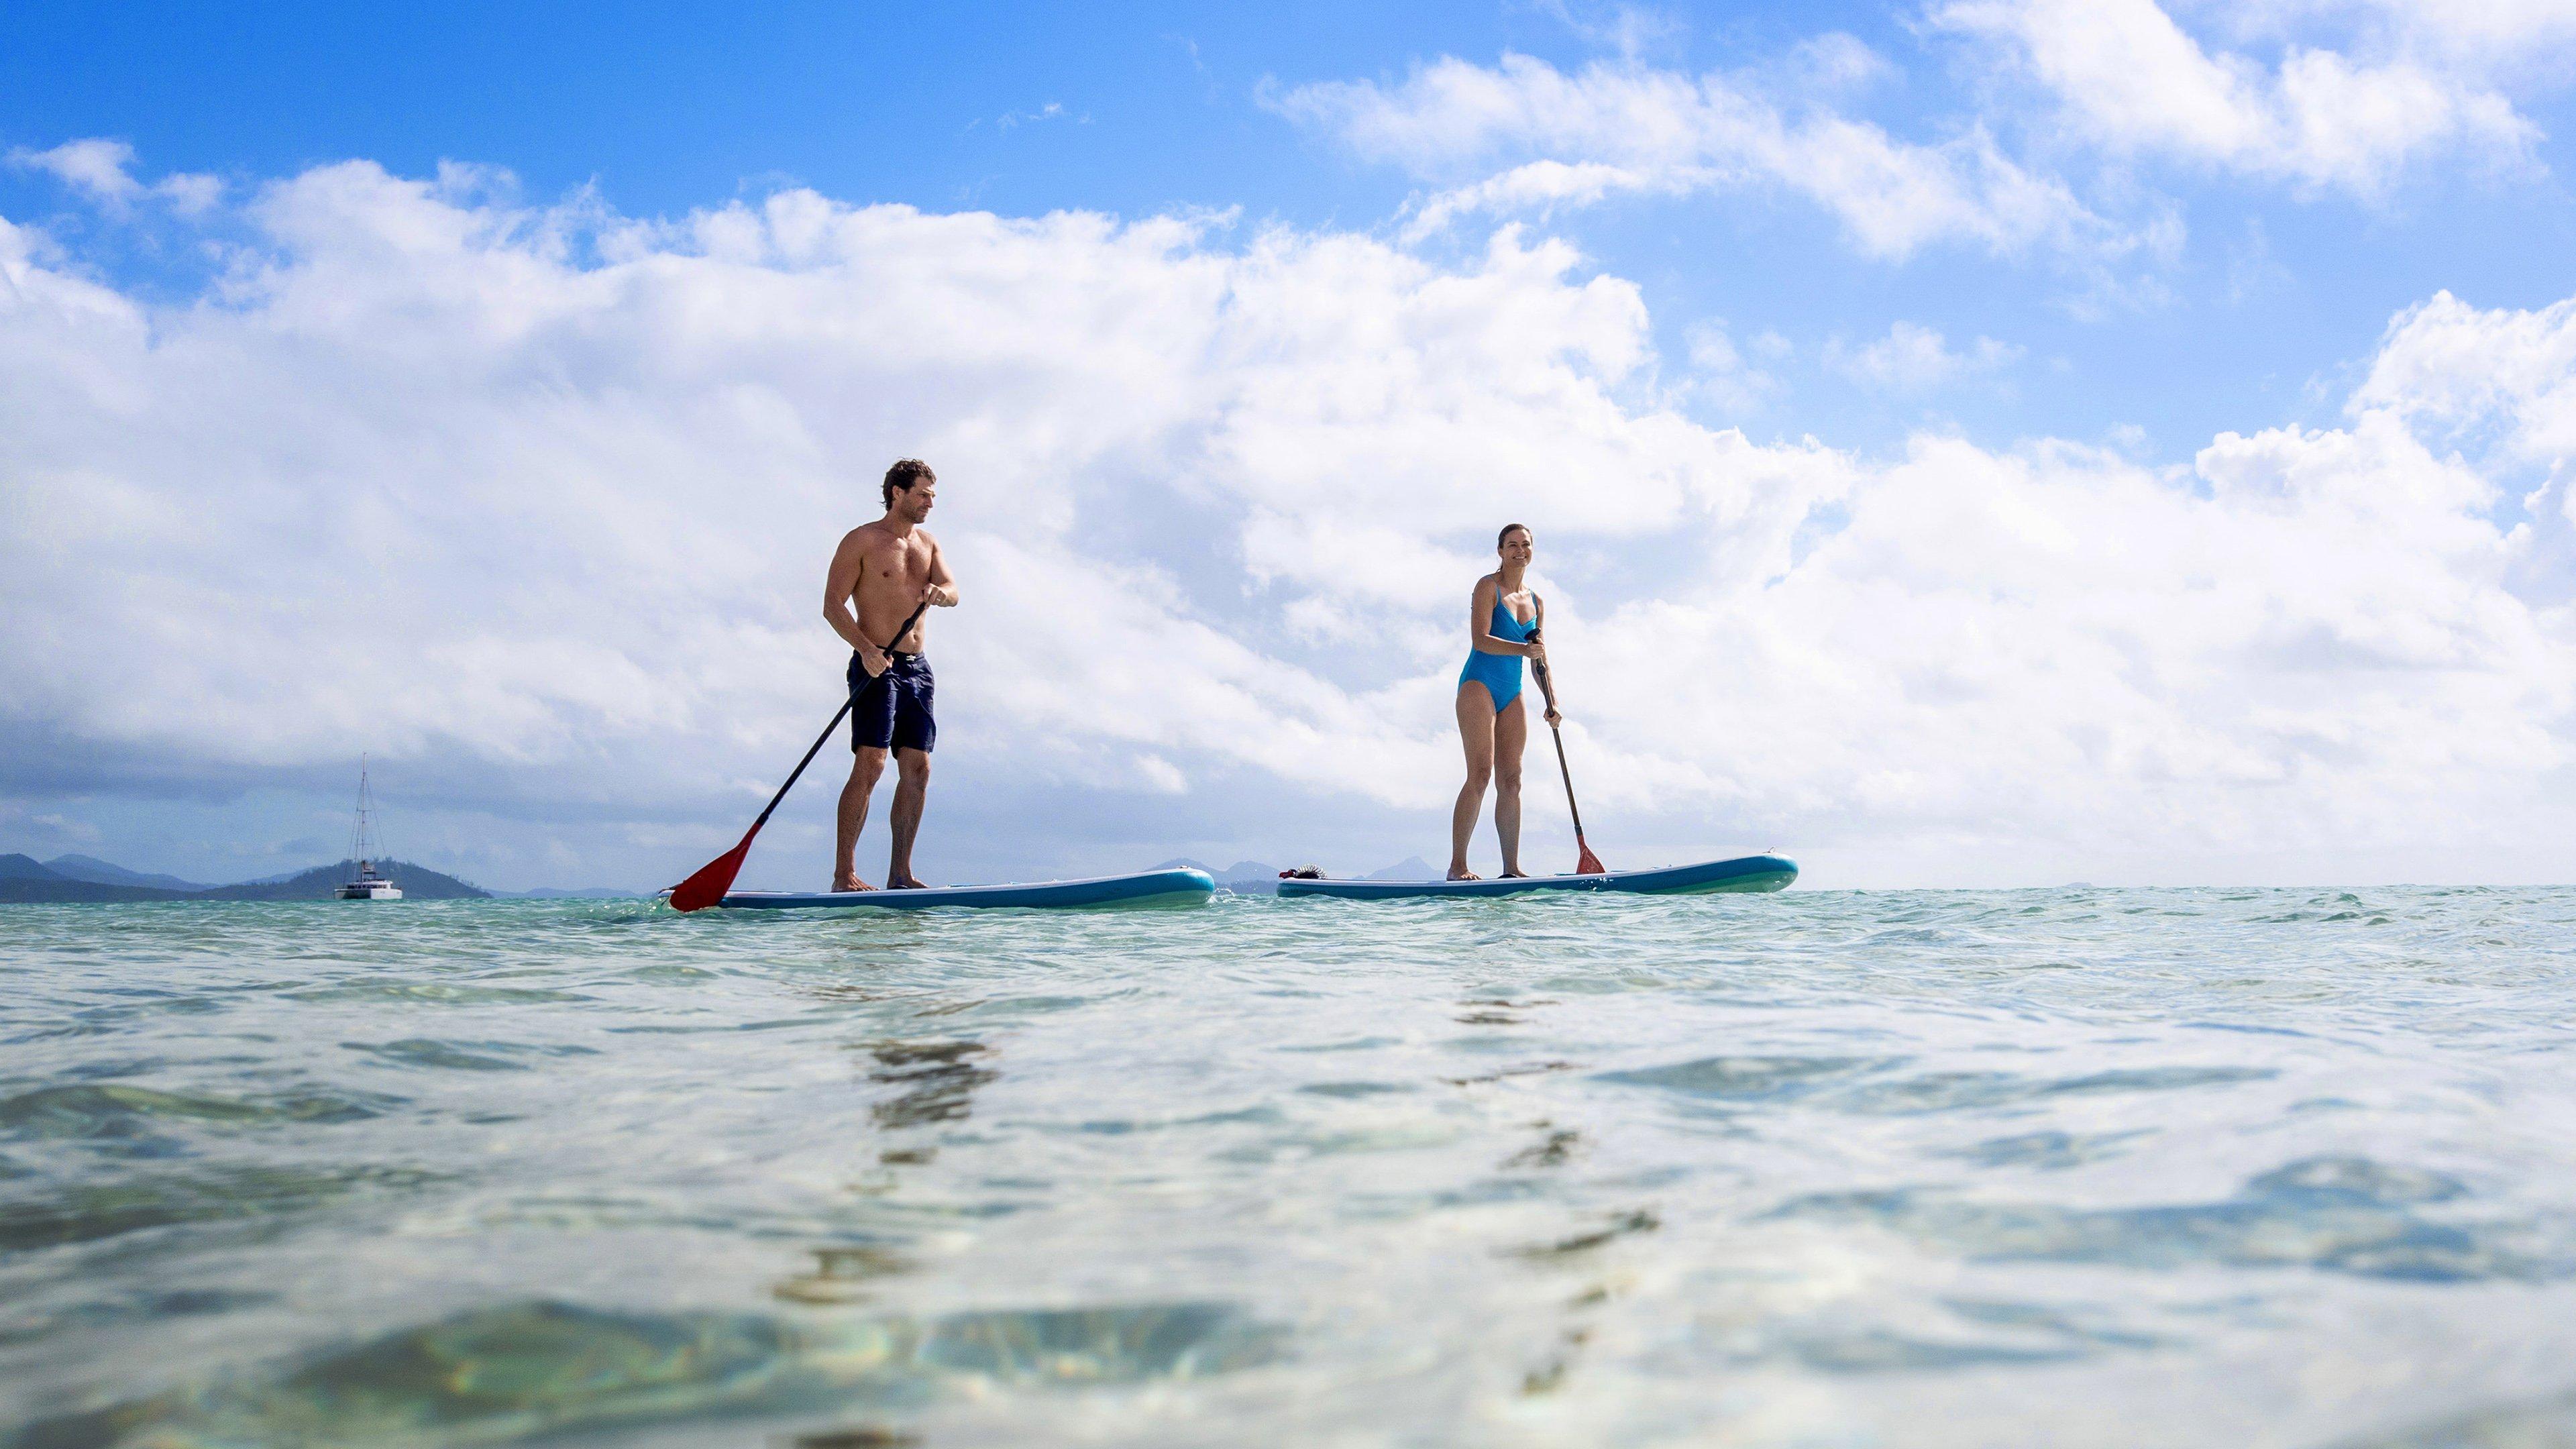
(1259, 878)
(68, 879)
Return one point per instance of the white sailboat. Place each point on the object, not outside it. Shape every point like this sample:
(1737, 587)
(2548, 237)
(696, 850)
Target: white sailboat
(364, 848)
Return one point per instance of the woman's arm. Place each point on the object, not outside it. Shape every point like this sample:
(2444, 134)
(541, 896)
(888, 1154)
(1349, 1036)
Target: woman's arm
(1538, 652)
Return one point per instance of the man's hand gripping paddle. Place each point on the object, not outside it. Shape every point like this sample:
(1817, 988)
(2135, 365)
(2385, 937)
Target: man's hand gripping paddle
(1587, 863)
(715, 878)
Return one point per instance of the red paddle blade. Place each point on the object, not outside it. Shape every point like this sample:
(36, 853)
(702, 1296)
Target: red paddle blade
(711, 882)
(1590, 864)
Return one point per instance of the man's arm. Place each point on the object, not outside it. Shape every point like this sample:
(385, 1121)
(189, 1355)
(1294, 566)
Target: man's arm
(943, 585)
(838, 587)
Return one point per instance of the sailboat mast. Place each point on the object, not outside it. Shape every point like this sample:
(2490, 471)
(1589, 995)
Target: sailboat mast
(361, 842)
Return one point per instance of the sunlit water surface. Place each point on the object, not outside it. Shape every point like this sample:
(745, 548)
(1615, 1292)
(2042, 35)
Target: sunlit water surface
(2064, 1167)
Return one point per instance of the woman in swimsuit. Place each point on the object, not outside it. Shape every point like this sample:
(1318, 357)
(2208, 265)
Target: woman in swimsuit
(1502, 630)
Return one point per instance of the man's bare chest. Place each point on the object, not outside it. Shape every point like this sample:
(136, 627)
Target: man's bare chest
(897, 562)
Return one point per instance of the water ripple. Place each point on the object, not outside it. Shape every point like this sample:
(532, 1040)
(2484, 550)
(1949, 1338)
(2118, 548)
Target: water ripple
(1814, 1168)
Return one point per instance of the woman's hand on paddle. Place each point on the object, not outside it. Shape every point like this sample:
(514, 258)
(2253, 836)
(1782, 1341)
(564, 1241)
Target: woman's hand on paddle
(1553, 718)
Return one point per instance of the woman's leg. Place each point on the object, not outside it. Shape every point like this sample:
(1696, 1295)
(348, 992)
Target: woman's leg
(1476, 732)
(1511, 733)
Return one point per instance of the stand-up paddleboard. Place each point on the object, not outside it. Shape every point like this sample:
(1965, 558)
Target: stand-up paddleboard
(1746, 873)
(1144, 888)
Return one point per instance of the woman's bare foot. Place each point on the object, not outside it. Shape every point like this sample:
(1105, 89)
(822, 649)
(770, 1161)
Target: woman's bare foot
(848, 880)
(906, 883)
(1460, 872)
(1516, 874)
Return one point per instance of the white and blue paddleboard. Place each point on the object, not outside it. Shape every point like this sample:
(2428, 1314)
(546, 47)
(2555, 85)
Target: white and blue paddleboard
(1745, 873)
(1144, 888)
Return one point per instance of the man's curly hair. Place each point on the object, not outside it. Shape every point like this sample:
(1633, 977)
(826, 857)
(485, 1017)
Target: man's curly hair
(905, 473)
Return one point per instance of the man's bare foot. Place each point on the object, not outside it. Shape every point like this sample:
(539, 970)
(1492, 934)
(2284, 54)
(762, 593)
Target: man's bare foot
(906, 883)
(848, 880)
(1516, 875)
(1460, 872)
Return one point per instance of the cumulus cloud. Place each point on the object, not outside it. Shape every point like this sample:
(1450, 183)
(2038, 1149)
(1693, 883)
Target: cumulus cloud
(1611, 128)
(102, 170)
(2507, 375)
(545, 493)
(2134, 81)
(2492, 35)
(1916, 358)
(1723, 374)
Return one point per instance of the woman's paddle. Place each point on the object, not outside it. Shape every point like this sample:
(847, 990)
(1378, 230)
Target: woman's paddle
(1587, 863)
(715, 878)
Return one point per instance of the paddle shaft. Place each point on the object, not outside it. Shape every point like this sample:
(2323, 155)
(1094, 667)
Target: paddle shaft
(1539, 668)
(817, 747)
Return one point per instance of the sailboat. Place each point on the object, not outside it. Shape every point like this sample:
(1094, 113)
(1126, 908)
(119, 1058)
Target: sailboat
(364, 848)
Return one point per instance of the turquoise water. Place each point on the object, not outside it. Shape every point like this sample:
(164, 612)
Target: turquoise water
(2064, 1167)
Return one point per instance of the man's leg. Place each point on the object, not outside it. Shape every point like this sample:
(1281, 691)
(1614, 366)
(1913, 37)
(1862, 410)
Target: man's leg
(864, 769)
(911, 788)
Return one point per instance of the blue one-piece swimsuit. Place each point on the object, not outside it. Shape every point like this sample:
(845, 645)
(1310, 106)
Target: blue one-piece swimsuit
(1499, 673)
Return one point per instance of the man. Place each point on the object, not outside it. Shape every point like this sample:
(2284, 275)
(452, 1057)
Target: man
(885, 570)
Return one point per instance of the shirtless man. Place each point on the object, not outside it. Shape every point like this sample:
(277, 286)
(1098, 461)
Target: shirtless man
(887, 569)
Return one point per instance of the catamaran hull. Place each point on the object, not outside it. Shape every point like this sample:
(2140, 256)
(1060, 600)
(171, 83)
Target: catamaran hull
(1145, 888)
(1708, 877)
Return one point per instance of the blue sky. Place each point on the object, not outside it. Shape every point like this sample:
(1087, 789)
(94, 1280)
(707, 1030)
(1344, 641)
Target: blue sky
(1160, 108)
(1878, 253)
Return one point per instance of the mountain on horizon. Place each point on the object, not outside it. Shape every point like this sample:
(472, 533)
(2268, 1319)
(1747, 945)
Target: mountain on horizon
(1412, 867)
(101, 872)
(1240, 870)
(24, 867)
(28, 881)
(322, 882)
(1254, 877)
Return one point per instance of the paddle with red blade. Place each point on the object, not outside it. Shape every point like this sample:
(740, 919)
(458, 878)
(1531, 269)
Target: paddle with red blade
(715, 878)
(1587, 863)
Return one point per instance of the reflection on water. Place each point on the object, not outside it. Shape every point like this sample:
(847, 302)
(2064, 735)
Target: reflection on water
(2339, 1214)
(541, 1368)
(2066, 1167)
(937, 1080)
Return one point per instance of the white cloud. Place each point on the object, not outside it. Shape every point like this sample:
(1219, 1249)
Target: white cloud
(547, 493)
(1915, 358)
(1720, 370)
(2134, 81)
(1573, 139)
(2490, 35)
(2448, 366)
(102, 170)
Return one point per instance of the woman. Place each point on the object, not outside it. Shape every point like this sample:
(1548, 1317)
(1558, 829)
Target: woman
(1502, 630)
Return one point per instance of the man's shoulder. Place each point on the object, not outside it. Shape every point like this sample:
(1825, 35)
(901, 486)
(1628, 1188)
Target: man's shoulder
(864, 535)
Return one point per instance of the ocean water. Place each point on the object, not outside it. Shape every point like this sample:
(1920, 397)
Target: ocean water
(2081, 1167)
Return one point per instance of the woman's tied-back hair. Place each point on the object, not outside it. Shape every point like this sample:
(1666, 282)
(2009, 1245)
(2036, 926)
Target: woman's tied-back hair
(905, 473)
(1507, 532)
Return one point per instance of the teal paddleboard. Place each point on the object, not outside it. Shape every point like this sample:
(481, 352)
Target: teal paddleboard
(1144, 888)
(1745, 873)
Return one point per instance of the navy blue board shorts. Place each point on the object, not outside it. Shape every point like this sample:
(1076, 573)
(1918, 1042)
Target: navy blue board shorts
(891, 711)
